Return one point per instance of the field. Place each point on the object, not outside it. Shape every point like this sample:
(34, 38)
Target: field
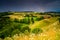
(29, 26)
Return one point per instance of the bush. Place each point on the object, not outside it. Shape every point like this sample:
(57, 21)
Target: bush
(8, 38)
(37, 30)
(16, 20)
(25, 20)
(32, 20)
(40, 18)
(59, 20)
(16, 31)
(25, 29)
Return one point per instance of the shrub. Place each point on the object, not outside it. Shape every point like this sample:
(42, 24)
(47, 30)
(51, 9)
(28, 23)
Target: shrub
(16, 31)
(40, 18)
(25, 20)
(59, 20)
(32, 20)
(25, 29)
(37, 30)
(16, 20)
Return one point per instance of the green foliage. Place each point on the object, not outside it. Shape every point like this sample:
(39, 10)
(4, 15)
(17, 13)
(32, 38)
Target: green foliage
(8, 38)
(10, 28)
(25, 29)
(32, 20)
(25, 20)
(16, 31)
(7, 27)
(37, 30)
(16, 20)
(59, 20)
(5, 13)
(40, 18)
(4, 21)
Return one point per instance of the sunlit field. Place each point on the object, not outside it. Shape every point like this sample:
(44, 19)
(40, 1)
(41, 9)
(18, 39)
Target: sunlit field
(29, 26)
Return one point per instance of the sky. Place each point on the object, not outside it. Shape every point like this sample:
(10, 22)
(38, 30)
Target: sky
(30, 5)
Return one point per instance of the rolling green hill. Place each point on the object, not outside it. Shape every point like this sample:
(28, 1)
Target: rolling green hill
(26, 23)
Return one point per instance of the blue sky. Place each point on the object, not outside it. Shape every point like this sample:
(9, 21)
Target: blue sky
(29, 5)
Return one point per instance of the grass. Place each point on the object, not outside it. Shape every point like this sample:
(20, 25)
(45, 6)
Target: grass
(43, 23)
(49, 27)
(47, 35)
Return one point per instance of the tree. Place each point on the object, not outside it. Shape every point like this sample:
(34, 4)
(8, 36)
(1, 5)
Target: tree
(4, 21)
(32, 19)
(37, 30)
(15, 31)
(5, 13)
(28, 18)
(40, 18)
(5, 27)
(59, 20)
(16, 20)
(25, 30)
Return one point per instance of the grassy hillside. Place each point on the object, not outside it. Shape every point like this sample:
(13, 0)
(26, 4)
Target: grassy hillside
(29, 26)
